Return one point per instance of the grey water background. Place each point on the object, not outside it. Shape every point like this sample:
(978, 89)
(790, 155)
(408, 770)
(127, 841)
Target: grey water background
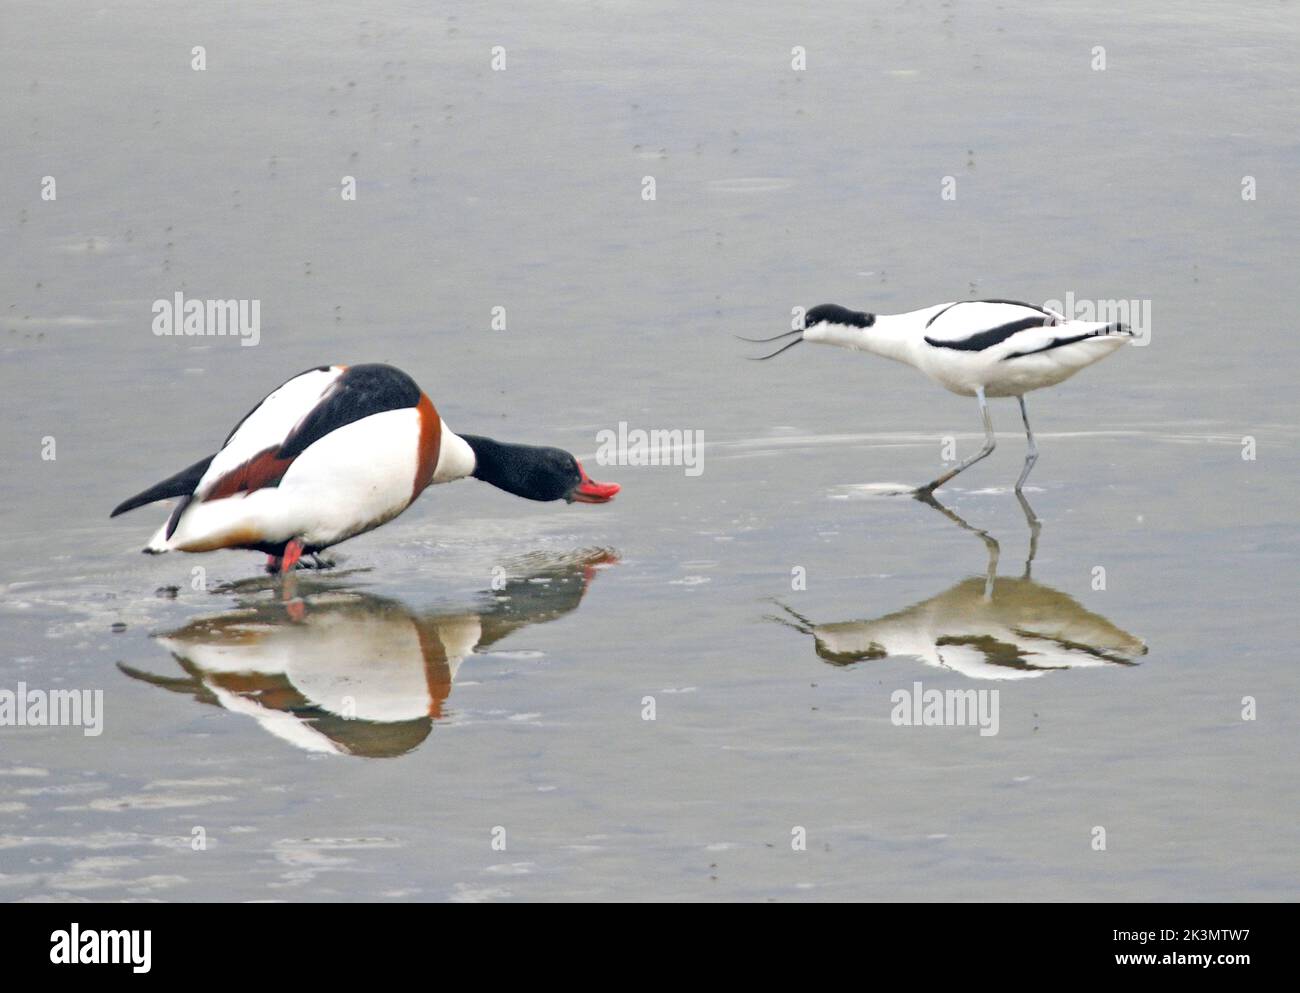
(775, 188)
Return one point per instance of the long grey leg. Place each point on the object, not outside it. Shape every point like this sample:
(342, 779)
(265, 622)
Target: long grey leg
(1035, 526)
(989, 444)
(1032, 455)
(990, 543)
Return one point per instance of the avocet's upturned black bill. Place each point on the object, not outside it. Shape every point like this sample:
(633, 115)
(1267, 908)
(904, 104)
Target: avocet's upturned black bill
(335, 452)
(979, 348)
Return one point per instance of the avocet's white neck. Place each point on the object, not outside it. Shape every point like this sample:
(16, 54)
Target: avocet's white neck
(892, 336)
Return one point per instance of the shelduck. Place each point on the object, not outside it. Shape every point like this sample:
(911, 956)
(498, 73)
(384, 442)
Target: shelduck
(979, 348)
(333, 453)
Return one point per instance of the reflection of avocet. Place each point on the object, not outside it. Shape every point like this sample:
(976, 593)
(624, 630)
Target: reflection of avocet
(984, 628)
(358, 674)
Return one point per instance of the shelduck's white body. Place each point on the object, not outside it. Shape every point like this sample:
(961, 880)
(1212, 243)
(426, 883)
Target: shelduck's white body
(334, 452)
(351, 479)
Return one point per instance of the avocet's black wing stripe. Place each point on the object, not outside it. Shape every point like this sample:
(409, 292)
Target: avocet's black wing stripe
(361, 391)
(996, 652)
(993, 336)
(1072, 339)
(180, 485)
(1013, 303)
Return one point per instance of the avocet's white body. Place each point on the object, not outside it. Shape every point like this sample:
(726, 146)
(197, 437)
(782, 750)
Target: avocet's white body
(962, 348)
(978, 348)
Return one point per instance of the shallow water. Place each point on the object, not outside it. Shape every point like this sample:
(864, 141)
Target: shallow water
(372, 750)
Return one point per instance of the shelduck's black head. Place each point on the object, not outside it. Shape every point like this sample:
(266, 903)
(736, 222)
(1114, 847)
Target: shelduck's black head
(833, 313)
(536, 473)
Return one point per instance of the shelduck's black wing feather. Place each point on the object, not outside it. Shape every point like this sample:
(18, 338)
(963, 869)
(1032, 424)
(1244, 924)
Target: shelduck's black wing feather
(180, 485)
(235, 430)
(360, 392)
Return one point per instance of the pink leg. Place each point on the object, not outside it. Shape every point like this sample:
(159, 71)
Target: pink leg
(292, 553)
(295, 607)
(272, 564)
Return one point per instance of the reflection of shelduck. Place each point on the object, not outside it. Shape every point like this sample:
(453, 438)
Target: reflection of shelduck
(984, 628)
(336, 452)
(358, 674)
(974, 348)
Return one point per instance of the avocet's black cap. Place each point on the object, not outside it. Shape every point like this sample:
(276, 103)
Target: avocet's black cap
(833, 313)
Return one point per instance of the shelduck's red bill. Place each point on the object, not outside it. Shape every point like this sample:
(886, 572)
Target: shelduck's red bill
(590, 491)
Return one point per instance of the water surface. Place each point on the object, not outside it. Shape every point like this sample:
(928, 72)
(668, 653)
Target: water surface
(371, 750)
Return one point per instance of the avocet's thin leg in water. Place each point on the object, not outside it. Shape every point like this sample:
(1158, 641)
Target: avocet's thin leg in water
(1032, 455)
(990, 543)
(989, 444)
(1035, 526)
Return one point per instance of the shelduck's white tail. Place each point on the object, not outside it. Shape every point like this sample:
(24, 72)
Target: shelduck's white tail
(159, 543)
(196, 526)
